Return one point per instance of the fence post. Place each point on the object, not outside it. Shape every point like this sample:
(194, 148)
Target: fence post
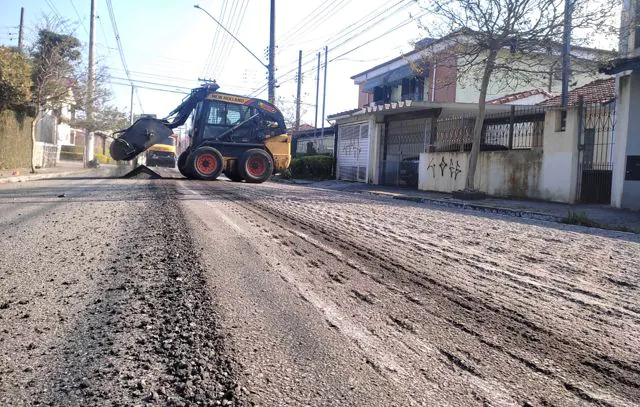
(512, 118)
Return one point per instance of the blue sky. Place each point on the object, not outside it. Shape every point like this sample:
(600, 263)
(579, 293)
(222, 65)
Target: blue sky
(170, 42)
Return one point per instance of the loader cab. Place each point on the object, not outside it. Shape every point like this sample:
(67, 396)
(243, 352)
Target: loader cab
(216, 115)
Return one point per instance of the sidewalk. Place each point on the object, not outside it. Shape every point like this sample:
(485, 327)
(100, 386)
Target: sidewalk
(601, 216)
(63, 169)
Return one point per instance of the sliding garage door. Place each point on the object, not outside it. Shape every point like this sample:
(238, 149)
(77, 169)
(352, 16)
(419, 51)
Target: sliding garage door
(353, 152)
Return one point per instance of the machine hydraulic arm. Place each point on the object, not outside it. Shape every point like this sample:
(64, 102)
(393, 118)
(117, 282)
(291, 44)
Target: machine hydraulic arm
(148, 131)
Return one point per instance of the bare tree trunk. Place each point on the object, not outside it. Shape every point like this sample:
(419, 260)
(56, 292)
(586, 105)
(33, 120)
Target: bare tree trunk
(477, 128)
(33, 138)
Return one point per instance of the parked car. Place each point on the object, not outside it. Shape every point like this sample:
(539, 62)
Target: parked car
(408, 171)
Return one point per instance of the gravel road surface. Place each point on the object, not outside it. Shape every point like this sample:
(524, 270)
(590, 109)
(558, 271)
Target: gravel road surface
(176, 292)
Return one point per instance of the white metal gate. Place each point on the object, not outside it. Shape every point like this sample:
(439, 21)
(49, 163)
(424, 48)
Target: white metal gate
(353, 152)
(404, 142)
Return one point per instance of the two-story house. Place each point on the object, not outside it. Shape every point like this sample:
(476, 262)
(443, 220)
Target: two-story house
(425, 100)
(625, 188)
(432, 72)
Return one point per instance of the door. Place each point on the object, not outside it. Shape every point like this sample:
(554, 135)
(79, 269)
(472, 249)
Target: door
(404, 142)
(353, 152)
(595, 164)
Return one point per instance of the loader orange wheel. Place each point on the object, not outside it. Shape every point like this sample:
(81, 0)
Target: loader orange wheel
(182, 164)
(256, 166)
(206, 163)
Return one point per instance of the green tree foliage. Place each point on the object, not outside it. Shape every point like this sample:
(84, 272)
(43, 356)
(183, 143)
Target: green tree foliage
(55, 58)
(15, 78)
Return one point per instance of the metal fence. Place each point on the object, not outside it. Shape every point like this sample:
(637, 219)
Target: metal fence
(520, 128)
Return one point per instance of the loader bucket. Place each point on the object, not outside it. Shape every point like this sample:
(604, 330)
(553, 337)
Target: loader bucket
(142, 134)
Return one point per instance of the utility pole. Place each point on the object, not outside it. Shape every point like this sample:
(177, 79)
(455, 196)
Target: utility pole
(315, 125)
(89, 141)
(299, 90)
(131, 107)
(21, 31)
(566, 51)
(272, 54)
(324, 91)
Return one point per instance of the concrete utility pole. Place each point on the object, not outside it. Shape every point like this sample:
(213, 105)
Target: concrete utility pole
(21, 31)
(299, 90)
(324, 91)
(131, 107)
(566, 51)
(89, 141)
(315, 125)
(272, 54)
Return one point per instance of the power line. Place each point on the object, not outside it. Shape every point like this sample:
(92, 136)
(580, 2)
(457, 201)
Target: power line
(233, 43)
(214, 43)
(402, 24)
(224, 39)
(148, 87)
(54, 9)
(309, 18)
(326, 13)
(114, 25)
(373, 19)
(80, 19)
(380, 36)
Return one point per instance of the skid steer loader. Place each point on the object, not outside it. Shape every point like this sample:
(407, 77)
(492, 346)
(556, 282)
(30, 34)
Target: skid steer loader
(244, 138)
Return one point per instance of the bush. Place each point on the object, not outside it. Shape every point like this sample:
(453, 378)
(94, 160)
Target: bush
(104, 159)
(315, 167)
(71, 156)
(71, 149)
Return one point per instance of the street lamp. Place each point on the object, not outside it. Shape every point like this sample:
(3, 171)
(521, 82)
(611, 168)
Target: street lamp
(271, 65)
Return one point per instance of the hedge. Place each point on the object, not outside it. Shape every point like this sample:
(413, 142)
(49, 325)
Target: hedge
(72, 149)
(71, 156)
(104, 159)
(315, 167)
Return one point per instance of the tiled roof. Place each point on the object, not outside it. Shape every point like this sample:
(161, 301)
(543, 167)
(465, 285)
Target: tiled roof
(598, 91)
(518, 96)
(345, 113)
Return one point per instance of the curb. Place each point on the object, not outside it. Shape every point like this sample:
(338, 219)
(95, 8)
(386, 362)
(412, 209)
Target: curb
(471, 206)
(35, 177)
(111, 172)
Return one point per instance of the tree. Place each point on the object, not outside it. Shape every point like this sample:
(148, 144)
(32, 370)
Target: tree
(55, 59)
(15, 78)
(105, 117)
(510, 38)
(288, 110)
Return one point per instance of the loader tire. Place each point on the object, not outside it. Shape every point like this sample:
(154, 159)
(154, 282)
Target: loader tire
(233, 176)
(205, 163)
(255, 166)
(182, 164)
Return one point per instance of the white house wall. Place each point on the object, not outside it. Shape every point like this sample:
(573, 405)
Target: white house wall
(467, 86)
(548, 173)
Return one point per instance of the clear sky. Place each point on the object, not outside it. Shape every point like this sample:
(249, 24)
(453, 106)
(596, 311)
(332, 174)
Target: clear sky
(170, 44)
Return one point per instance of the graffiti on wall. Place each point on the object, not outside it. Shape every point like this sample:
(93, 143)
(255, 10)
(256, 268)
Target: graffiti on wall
(454, 168)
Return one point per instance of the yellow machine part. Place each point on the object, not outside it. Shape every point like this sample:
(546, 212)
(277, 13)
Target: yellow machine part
(280, 149)
(163, 147)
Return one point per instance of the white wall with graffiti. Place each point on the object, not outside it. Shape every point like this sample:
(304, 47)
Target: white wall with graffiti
(548, 172)
(499, 173)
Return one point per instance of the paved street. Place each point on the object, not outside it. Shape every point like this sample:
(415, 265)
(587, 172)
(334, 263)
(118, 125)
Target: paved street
(177, 292)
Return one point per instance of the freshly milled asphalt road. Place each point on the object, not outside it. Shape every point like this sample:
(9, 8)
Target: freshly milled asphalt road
(176, 292)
